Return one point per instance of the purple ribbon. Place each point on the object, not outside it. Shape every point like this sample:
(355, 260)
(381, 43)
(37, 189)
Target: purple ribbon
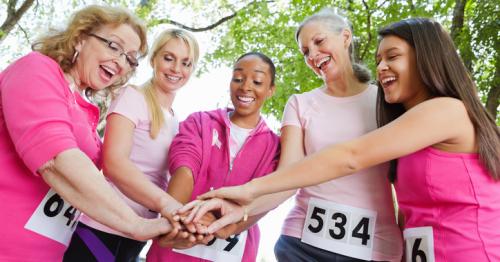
(95, 245)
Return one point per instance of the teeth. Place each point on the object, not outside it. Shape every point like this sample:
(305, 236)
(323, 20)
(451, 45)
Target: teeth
(246, 99)
(110, 70)
(322, 61)
(173, 78)
(385, 80)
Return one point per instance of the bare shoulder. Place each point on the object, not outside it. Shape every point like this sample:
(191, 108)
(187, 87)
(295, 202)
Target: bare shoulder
(442, 107)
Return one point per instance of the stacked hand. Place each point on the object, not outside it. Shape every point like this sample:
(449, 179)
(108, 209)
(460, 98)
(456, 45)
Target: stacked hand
(186, 235)
(229, 205)
(199, 221)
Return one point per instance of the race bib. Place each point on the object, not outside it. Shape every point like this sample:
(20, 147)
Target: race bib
(341, 229)
(230, 249)
(419, 244)
(54, 218)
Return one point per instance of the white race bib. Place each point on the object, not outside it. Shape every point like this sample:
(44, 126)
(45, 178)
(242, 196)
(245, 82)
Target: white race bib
(341, 229)
(419, 244)
(230, 249)
(54, 218)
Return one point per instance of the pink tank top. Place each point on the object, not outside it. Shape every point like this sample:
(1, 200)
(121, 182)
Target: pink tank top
(454, 195)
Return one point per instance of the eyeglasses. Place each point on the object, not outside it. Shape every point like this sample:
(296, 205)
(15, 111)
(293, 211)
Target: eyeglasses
(117, 50)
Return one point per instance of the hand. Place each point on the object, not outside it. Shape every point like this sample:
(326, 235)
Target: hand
(242, 194)
(230, 212)
(145, 229)
(226, 231)
(176, 226)
(185, 239)
(206, 220)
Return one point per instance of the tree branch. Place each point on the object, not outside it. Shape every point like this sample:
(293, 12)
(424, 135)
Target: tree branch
(206, 28)
(13, 16)
(381, 4)
(26, 36)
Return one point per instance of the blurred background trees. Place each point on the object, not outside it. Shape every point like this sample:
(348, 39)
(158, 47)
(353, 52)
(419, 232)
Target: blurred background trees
(235, 27)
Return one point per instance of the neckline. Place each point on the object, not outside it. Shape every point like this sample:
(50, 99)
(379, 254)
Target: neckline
(323, 94)
(440, 152)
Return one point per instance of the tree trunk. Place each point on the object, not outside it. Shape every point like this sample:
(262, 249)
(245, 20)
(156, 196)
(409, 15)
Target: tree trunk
(457, 25)
(13, 16)
(493, 98)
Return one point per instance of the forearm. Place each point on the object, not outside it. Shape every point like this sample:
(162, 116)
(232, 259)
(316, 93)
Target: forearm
(245, 225)
(330, 163)
(181, 185)
(268, 202)
(73, 176)
(135, 185)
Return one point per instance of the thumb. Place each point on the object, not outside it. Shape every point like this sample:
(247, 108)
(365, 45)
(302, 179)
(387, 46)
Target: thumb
(228, 219)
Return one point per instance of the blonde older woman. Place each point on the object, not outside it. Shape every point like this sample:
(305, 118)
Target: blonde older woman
(49, 149)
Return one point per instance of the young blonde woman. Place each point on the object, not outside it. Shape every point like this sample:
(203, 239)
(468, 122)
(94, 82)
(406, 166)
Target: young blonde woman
(225, 147)
(140, 127)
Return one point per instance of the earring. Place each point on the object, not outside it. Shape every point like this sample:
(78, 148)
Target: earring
(75, 56)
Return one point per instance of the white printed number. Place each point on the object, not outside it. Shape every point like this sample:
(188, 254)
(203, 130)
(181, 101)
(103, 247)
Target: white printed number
(54, 218)
(232, 241)
(416, 253)
(226, 250)
(419, 244)
(55, 205)
(339, 228)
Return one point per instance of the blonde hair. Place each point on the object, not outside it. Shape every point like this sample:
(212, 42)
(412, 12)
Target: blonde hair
(156, 114)
(60, 44)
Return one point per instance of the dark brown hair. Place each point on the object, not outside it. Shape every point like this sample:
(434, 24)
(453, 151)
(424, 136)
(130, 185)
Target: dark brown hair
(444, 75)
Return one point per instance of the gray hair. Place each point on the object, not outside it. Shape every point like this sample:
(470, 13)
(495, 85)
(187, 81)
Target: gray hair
(336, 21)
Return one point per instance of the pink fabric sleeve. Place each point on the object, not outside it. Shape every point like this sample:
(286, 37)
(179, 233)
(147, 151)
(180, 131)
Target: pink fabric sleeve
(35, 100)
(291, 113)
(274, 162)
(130, 104)
(187, 147)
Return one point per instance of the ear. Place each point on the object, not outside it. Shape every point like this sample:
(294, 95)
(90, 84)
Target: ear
(347, 37)
(80, 43)
(271, 91)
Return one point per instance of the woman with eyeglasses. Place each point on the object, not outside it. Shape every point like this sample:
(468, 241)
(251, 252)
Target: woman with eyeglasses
(139, 130)
(49, 148)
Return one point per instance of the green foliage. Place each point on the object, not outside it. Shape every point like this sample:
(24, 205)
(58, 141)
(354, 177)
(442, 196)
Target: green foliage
(270, 27)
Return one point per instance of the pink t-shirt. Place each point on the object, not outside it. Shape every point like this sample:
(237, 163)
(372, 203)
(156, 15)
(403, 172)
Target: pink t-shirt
(455, 195)
(327, 120)
(40, 117)
(149, 155)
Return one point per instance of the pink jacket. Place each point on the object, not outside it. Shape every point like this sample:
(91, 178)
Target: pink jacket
(202, 145)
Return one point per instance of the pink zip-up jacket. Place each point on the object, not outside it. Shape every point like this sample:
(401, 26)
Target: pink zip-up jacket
(202, 145)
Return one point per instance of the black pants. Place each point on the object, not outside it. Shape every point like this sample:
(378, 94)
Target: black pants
(291, 249)
(89, 244)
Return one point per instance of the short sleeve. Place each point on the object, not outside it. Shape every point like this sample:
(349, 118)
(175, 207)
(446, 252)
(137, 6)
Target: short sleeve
(130, 103)
(35, 101)
(291, 116)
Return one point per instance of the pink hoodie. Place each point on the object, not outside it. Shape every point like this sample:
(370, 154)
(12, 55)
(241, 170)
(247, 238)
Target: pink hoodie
(202, 145)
